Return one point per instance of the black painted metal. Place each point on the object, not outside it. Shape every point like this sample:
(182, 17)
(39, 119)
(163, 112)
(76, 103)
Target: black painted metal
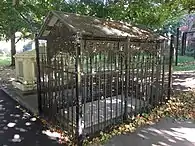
(91, 84)
(79, 128)
(177, 47)
(38, 75)
(183, 44)
(170, 66)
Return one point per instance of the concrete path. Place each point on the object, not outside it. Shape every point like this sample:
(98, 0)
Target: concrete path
(167, 132)
(18, 128)
(183, 80)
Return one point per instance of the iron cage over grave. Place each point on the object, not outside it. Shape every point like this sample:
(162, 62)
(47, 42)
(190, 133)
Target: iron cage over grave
(96, 73)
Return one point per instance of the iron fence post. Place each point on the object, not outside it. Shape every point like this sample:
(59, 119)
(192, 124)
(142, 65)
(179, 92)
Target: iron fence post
(79, 123)
(182, 45)
(126, 78)
(184, 36)
(170, 66)
(38, 75)
(177, 47)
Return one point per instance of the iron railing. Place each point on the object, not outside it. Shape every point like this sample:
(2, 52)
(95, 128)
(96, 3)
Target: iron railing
(102, 82)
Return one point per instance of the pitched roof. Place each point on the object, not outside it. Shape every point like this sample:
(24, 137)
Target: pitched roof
(93, 26)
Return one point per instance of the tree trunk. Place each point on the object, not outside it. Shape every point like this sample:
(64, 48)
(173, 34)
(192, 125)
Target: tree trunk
(13, 48)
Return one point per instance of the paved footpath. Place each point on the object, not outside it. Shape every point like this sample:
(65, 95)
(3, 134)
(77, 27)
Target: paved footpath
(167, 132)
(19, 128)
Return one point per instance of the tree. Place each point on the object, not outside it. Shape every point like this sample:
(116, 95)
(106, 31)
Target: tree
(29, 14)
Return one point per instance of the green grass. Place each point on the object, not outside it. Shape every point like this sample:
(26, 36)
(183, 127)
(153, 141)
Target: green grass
(184, 67)
(5, 60)
(185, 59)
(185, 63)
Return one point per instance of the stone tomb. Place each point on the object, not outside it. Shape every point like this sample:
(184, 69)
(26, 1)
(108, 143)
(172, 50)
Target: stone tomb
(26, 67)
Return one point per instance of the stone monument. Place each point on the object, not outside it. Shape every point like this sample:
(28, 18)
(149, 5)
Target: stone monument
(26, 68)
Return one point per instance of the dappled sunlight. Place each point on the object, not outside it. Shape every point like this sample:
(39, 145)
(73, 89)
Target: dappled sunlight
(27, 123)
(33, 119)
(162, 143)
(15, 115)
(17, 126)
(16, 138)
(171, 140)
(11, 79)
(11, 125)
(187, 133)
(183, 80)
(52, 135)
(5, 128)
(167, 132)
(143, 136)
(26, 116)
(21, 129)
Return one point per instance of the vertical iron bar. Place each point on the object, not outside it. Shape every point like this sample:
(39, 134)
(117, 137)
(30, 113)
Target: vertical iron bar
(177, 47)
(63, 90)
(182, 44)
(85, 86)
(194, 53)
(142, 101)
(158, 73)
(43, 82)
(170, 66)
(152, 80)
(111, 58)
(146, 70)
(130, 80)
(133, 64)
(148, 82)
(137, 91)
(67, 100)
(78, 86)
(185, 37)
(38, 75)
(121, 83)
(163, 73)
(105, 84)
(100, 90)
(126, 77)
(91, 91)
(55, 102)
(97, 88)
(117, 79)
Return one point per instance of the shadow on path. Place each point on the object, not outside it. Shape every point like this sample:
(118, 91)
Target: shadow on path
(184, 80)
(19, 128)
(167, 132)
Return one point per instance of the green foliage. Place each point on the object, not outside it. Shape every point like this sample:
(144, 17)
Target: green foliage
(151, 13)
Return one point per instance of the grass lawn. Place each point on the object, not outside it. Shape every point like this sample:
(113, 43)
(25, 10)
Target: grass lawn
(185, 59)
(185, 63)
(184, 67)
(5, 60)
